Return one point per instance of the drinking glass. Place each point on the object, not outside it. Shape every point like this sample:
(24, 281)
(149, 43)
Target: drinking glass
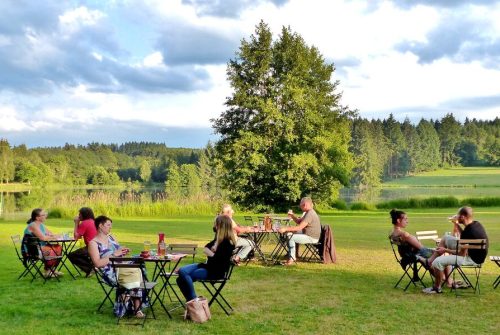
(147, 245)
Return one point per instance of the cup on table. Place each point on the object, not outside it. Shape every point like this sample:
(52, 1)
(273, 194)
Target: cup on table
(147, 245)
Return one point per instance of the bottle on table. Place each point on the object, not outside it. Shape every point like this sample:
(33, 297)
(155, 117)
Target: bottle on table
(162, 247)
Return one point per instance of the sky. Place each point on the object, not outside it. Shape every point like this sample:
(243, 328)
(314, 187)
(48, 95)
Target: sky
(155, 70)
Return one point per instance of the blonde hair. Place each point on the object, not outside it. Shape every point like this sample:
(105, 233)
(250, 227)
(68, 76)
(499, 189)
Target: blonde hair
(224, 227)
(225, 208)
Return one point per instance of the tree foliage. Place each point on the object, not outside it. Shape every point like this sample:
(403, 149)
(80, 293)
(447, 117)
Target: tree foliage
(284, 133)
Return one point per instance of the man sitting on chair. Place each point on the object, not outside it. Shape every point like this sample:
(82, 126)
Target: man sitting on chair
(473, 230)
(308, 229)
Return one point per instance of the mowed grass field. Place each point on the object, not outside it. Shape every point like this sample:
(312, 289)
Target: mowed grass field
(354, 296)
(458, 177)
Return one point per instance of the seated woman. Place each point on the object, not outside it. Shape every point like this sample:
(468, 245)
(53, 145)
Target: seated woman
(408, 245)
(219, 252)
(36, 228)
(84, 227)
(101, 248)
(245, 245)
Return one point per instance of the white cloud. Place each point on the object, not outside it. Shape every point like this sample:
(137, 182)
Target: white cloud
(98, 79)
(81, 16)
(153, 60)
(10, 121)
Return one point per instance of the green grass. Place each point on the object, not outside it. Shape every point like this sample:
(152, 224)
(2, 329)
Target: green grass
(458, 177)
(356, 295)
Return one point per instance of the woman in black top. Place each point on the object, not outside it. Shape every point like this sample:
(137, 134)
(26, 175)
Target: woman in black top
(219, 252)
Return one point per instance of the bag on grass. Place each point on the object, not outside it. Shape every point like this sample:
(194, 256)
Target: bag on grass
(197, 310)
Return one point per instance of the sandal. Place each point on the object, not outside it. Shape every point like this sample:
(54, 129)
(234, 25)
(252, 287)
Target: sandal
(140, 315)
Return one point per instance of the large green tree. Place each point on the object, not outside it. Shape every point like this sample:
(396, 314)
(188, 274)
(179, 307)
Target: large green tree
(284, 133)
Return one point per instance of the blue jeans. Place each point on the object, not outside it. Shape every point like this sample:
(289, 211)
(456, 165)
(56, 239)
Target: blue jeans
(187, 275)
(298, 238)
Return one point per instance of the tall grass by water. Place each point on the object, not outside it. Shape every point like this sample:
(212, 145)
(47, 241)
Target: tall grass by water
(133, 205)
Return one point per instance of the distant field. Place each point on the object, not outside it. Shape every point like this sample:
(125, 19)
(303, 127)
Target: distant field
(459, 177)
(476, 182)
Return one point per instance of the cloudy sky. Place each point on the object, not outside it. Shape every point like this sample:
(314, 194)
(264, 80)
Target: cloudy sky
(154, 70)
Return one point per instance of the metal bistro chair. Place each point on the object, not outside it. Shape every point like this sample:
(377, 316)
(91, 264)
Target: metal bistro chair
(30, 261)
(425, 235)
(188, 249)
(107, 287)
(248, 220)
(410, 266)
(215, 286)
(312, 251)
(147, 286)
(496, 259)
(462, 270)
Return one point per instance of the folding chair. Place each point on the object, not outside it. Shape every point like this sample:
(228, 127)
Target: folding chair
(478, 244)
(188, 249)
(145, 285)
(248, 220)
(407, 263)
(31, 265)
(496, 259)
(312, 251)
(424, 235)
(215, 286)
(53, 259)
(106, 286)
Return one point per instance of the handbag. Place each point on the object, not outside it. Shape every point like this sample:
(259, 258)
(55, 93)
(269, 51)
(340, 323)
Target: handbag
(197, 310)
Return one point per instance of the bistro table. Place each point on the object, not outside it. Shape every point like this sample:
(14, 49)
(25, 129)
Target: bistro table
(280, 241)
(67, 246)
(160, 272)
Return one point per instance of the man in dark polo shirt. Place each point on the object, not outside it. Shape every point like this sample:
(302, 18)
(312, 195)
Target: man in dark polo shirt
(472, 230)
(308, 229)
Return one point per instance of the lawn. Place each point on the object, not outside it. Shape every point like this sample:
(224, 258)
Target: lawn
(458, 177)
(356, 295)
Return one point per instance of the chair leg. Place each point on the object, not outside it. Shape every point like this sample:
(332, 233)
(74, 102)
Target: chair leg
(215, 292)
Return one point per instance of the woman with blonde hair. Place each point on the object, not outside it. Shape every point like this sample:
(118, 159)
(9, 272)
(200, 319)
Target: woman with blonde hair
(219, 252)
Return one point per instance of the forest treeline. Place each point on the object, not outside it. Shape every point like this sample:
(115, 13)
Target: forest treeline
(387, 149)
(381, 149)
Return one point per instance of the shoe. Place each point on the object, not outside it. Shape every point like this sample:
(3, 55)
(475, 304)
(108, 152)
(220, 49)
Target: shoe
(49, 274)
(459, 285)
(90, 274)
(58, 273)
(140, 315)
(432, 290)
(289, 262)
(236, 260)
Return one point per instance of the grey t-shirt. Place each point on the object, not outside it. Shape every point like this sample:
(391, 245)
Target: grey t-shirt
(313, 227)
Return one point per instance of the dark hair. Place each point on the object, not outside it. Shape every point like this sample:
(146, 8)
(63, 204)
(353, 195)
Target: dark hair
(86, 213)
(465, 211)
(395, 215)
(101, 219)
(34, 214)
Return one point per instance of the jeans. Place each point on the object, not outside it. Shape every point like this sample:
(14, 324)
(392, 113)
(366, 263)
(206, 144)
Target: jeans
(246, 246)
(293, 239)
(187, 275)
